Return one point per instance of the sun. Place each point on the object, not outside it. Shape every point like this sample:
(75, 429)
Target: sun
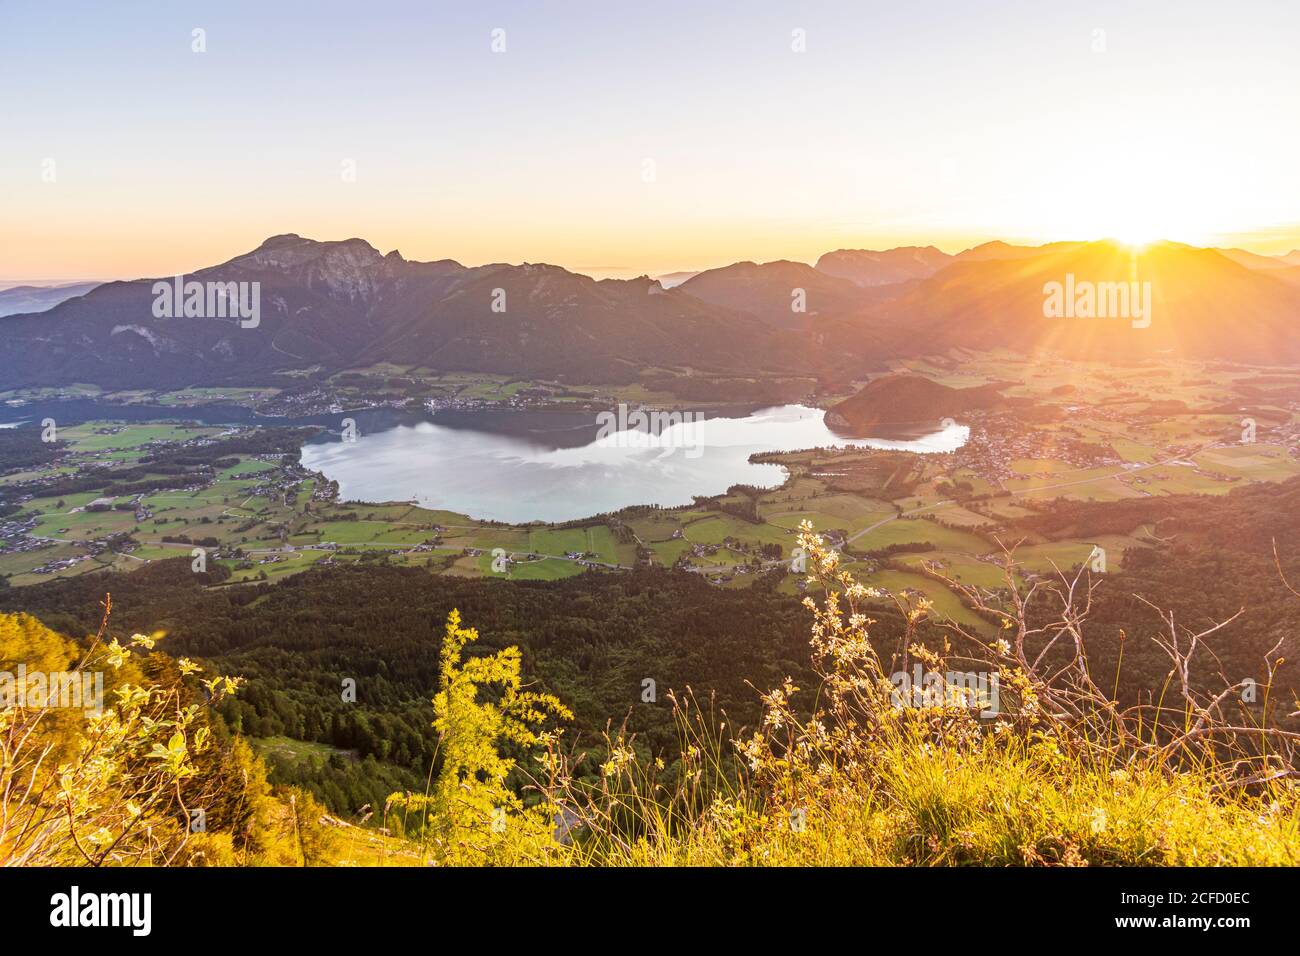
(1133, 211)
(1135, 233)
(1135, 241)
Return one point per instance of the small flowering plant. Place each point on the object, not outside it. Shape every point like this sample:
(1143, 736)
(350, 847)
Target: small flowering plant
(113, 787)
(802, 760)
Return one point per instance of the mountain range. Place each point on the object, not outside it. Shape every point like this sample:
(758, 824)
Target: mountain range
(343, 304)
(24, 298)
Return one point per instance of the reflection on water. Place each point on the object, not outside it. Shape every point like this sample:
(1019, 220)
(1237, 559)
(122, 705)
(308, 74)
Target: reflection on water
(530, 466)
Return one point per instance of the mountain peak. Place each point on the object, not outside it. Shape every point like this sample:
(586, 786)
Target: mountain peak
(283, 239)
(871, 267)
(291, 240)
(289, 250)
(349, 268)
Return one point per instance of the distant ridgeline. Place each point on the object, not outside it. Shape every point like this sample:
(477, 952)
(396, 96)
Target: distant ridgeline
(324, 307)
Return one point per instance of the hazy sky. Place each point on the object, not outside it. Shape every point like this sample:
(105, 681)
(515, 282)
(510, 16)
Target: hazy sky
(918, 122)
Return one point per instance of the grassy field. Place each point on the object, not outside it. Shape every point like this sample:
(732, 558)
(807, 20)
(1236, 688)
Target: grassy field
(917, 530)
(299, 751)
(1259, 462)
(87, 438)
(958, 565)
(947, 605)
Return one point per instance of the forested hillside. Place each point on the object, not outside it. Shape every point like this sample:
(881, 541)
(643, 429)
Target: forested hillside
(592, 640)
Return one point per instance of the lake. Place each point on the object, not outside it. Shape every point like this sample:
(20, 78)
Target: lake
(519, 466)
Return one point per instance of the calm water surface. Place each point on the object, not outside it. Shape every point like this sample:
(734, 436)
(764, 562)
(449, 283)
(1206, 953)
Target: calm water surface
(530, 466)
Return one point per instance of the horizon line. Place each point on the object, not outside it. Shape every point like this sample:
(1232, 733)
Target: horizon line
(594, 272)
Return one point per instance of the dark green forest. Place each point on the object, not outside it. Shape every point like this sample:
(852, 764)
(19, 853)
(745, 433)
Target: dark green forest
(592, 640)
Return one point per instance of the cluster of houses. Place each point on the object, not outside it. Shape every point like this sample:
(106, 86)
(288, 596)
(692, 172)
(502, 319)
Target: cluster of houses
(991, 449)
(325, 489)
(285, 483)
(300, 404)
(524, 398)
(50, 567)
(15, 535)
